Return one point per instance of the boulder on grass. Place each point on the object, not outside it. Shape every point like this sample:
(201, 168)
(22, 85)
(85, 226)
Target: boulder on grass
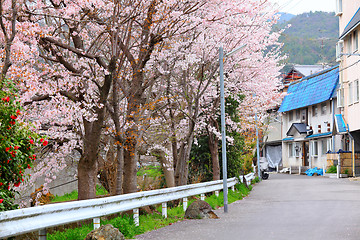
(199, 210)
(105, 232)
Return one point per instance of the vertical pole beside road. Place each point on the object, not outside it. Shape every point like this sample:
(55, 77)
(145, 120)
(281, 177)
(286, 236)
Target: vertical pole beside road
(136, 216)
(96, 222)
(185, 202)
(257, 146)
(42, 234)
(222, 100)
(164, 210)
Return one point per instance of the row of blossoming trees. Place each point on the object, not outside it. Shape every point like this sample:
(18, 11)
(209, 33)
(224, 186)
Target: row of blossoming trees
(117, 78)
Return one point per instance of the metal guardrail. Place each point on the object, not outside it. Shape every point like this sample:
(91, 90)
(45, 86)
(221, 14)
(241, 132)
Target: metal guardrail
(248, 178)
(20, 221)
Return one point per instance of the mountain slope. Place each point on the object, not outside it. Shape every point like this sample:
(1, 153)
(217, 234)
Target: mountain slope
(311, 39)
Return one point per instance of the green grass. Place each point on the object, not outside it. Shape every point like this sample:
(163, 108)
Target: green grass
(149, 222)
(100, 190)
(151, 171)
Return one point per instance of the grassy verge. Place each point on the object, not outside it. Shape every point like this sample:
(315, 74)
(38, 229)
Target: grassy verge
(149, 222)
(100, 190)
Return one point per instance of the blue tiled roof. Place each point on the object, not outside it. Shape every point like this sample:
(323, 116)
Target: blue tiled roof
(319, 135)
(288, 139)
(310, 90)
(340, 123)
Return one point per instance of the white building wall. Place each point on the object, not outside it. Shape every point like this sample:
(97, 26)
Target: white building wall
(322, 118)
(350, 73)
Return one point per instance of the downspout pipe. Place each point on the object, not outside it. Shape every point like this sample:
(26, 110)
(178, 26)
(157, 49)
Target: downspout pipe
(333, 125)
(352, 150)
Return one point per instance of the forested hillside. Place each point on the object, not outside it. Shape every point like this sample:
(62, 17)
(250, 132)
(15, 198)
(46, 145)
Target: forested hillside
(311, 38)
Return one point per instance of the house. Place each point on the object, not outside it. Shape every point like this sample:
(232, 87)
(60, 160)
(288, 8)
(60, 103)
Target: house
(299, 71)
(309, 124)
(272, 140)
(348, 57)
(273, 134)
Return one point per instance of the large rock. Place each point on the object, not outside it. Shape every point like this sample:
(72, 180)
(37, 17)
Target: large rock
(105, 232)
(199, 210)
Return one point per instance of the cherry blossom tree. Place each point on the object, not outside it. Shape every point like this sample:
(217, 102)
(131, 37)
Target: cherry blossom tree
(193, 75)
(90, 70)
(94, 58)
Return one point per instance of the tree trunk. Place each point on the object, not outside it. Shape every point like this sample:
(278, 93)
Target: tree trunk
(167, 168)
(87, 171)
(214, 151)
(182, 165)
(214, 148)
(130, 160)
(87, 168)
(120, 170)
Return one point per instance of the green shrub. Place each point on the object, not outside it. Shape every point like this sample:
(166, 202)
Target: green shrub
(331, 169)
(256, 180)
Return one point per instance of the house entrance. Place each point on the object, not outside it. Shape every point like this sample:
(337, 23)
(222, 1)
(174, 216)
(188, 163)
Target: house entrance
(305, 154)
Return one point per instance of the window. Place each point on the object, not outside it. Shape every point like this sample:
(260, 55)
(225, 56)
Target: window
(356, 40)
(356, 91)
(323, 108)
(326, 146)
(314, 110)
(350, 93)
(291, 150)
(349, 44)
(294, 150)
(338, 7)
(314, 149)
(290, 116)
(329, 145)
(298, 114)
(340, 95)
(323, 146)
(339, 50)
(303, 115)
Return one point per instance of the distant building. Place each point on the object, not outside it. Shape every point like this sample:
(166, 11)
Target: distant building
(299, 71)
(310, 128)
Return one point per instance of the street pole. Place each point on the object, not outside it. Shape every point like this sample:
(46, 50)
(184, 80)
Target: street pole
(223, 130)
(223, 133)
(257, 146)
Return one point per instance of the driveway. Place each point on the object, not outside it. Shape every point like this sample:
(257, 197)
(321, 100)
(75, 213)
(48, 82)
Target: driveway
(283, 207)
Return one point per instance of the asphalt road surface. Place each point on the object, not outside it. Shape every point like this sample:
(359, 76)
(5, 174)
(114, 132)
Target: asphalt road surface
(283, 207)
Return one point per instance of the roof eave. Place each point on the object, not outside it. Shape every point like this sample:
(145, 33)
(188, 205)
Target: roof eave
(345, 34)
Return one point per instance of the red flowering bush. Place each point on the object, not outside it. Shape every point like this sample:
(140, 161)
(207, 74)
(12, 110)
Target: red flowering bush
(17, 148)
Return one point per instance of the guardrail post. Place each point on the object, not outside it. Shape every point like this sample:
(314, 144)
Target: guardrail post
(217, 193)
(233, 188)
(202, 197)
(136, 216)
(290, 170)
(338, 171)
(299, 170)
(185, 202)
(42, 234)
(277, 168)
(96, 222)
(323, 169)
(164, 210)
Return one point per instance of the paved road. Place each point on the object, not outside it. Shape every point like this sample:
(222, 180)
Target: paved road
(283, 207)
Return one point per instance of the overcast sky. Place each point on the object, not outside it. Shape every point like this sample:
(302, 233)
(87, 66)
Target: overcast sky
(301, 6)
